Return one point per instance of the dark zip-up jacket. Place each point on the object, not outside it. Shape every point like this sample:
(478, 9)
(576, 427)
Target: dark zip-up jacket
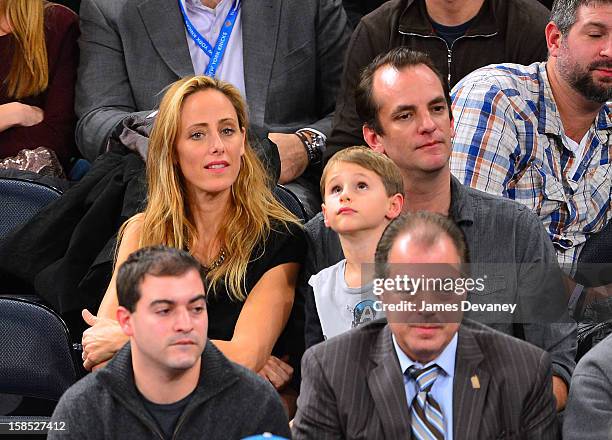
(229, 402)
(503, 31)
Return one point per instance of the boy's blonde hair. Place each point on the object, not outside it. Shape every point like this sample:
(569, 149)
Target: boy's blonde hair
(369, 159)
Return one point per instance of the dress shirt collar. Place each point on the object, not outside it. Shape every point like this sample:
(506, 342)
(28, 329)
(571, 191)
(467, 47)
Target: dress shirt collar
(549, 119)
(198, 5)
(446, 360)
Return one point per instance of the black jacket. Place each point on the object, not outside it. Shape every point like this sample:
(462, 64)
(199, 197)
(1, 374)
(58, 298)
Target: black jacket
(65, 253)
(503, 31)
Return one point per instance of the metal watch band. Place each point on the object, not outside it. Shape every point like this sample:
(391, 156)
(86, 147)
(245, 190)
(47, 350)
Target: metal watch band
(314, 143)
(313, 152)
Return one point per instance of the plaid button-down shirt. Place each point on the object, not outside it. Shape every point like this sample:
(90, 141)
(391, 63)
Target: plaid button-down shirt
(510, 141)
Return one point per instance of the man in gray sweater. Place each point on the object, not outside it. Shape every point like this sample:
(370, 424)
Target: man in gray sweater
(168, 382)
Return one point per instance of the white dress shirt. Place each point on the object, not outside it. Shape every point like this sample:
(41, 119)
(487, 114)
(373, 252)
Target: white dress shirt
(208, 23)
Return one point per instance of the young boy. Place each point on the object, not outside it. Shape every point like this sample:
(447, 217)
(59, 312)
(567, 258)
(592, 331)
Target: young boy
(362, 192)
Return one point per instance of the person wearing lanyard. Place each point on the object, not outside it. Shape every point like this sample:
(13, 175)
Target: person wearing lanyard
(215, 54)
(285, 60)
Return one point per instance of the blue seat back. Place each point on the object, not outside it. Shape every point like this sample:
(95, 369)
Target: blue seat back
(21, 200)
(290, 201)
(36, 355)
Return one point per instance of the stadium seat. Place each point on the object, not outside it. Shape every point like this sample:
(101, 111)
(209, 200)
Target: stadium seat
(20, 200)
(291, 202)
(37, 359)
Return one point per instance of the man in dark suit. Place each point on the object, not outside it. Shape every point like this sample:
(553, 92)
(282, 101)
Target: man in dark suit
(424, 374)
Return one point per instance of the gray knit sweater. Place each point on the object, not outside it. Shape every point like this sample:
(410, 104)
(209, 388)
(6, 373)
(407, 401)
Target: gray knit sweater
(230, 402)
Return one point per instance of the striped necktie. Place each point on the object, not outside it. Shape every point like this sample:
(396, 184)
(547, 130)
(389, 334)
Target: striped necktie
(427, 420)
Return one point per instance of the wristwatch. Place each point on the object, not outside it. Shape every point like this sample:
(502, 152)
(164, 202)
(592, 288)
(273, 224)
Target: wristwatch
(314, 142)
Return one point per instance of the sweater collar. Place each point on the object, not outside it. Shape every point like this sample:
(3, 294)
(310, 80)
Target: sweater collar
(216, 374)
(415, 20)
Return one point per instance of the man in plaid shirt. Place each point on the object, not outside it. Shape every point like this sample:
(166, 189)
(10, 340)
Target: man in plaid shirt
(540, 134)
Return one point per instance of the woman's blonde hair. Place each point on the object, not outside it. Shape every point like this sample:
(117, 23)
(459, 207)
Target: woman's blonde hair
(253, 210)
(29, 72)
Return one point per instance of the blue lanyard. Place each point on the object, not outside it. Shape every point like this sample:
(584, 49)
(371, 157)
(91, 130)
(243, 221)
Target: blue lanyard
(216, 54)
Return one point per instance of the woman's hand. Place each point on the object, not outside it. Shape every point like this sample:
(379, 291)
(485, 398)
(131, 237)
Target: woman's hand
(29, 115)
(101, 341)
(17, 114)
(278, 372)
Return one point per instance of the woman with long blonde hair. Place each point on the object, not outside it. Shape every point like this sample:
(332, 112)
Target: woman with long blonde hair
(209, 194)
(39, 53)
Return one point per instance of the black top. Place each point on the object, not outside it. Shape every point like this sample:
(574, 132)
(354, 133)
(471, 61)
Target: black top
(166, 415)
(282, 246)
(451, 33)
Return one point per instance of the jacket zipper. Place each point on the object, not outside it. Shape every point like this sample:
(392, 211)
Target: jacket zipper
(180, 422)
(449, 57)
(143, 419)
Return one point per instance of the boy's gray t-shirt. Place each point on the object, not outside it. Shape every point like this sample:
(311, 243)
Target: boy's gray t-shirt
(341, 308)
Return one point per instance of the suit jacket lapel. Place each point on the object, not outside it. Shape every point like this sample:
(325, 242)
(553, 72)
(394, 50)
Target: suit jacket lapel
(164, 24)
(386, 385)
(469, 386)
(260, 23)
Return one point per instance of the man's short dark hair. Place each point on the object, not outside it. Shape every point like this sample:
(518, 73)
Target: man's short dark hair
(397, 58)
(427, 228)
(157, 261)
(563, 12)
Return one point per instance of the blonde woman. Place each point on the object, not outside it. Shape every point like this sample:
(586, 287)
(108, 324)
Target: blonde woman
(207, 193)
(39, 58)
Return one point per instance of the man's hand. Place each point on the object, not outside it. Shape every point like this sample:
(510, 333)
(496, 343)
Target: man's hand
(277, 372)
(294, 159)
(560, 392)
(101, 341)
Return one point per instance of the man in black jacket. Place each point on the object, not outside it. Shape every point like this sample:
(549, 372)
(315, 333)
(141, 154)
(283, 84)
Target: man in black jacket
(168, 381)
(459, 36)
